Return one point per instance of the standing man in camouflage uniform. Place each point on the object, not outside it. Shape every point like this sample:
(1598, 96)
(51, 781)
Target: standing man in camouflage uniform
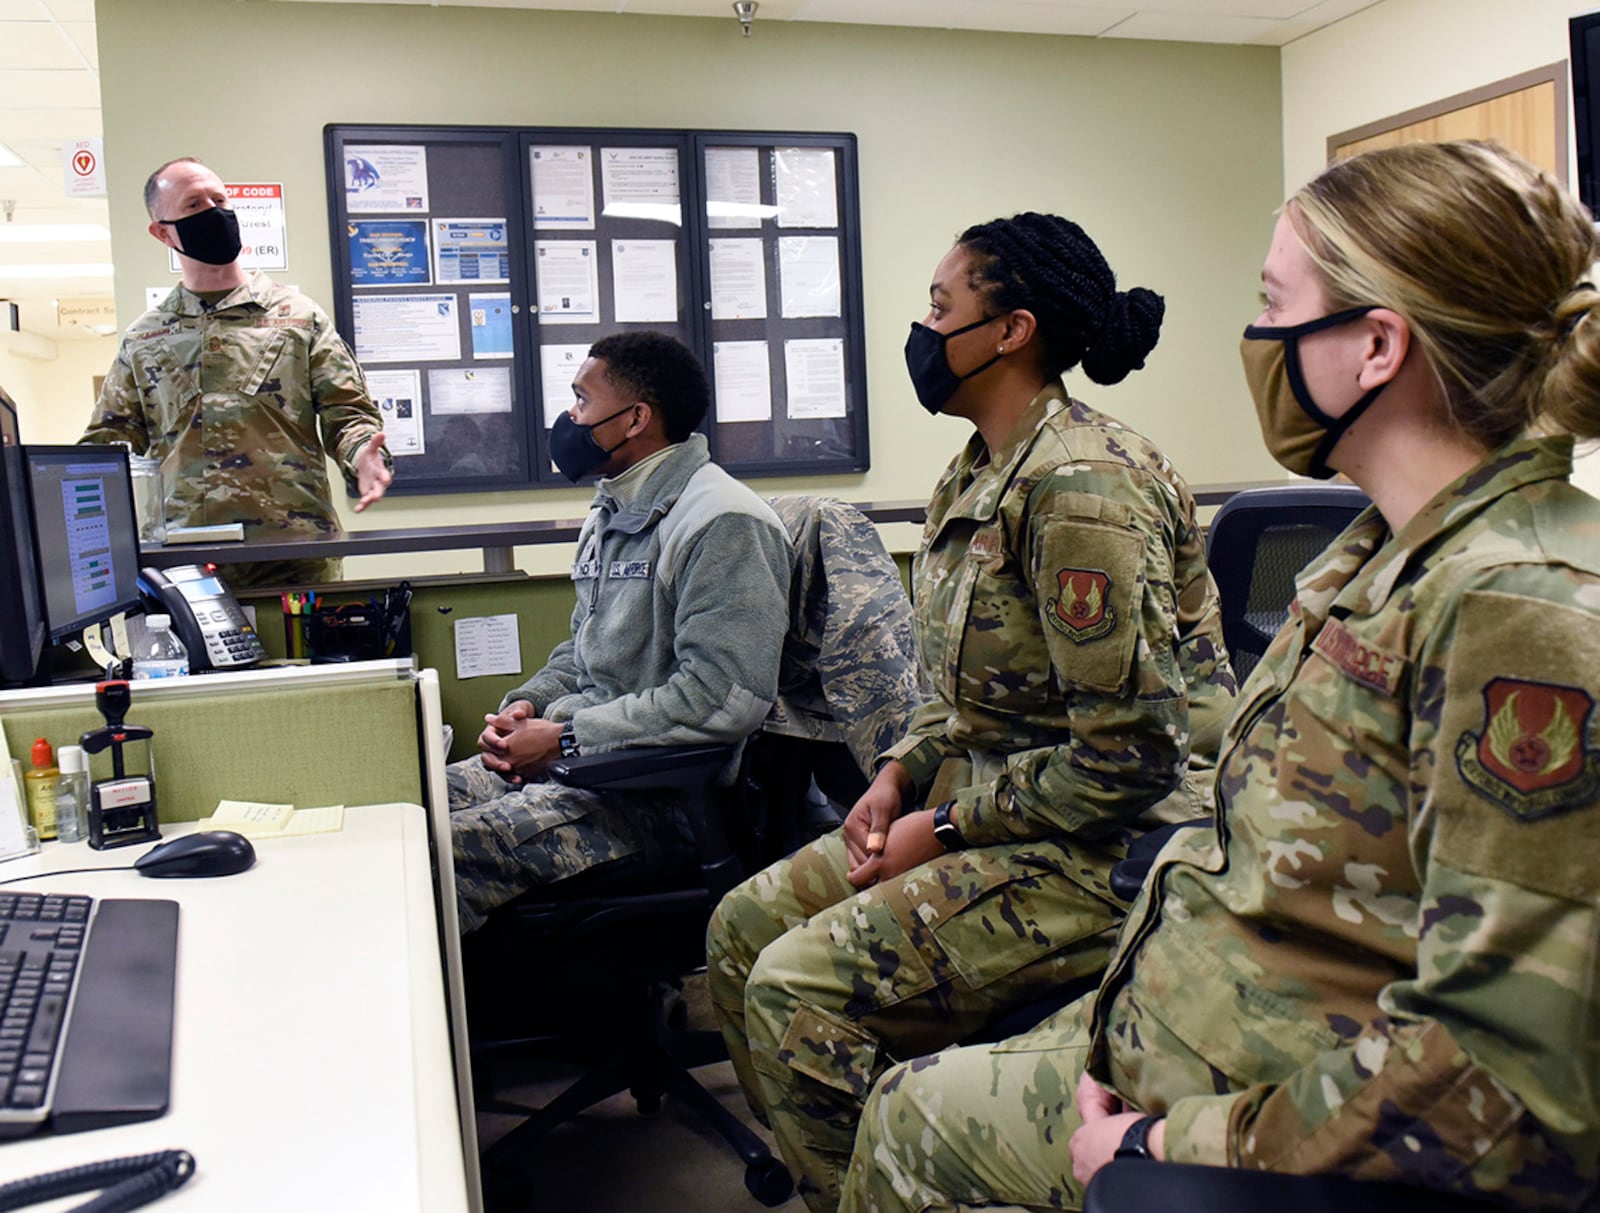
(682, 579)
(239, 386)
(1381, 960)
(1070, 630)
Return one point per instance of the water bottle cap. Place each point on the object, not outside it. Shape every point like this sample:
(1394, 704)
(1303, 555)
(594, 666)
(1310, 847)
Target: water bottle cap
(71, 759)
(158, 623)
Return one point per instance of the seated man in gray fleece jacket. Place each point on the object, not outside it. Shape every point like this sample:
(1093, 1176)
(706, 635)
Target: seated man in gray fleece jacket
(682, 581)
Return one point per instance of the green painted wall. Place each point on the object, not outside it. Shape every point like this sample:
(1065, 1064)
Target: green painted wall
(1169, 154)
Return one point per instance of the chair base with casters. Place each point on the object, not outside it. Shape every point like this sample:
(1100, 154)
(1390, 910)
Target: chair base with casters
(620, 1015)
(1141, 1186)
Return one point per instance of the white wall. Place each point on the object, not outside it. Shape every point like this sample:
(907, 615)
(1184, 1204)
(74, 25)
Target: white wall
(1402, 54)
(54, 395)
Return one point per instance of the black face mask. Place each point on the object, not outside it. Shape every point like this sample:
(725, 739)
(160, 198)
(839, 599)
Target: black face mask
(574, 449)
(931, 375)
(210, 236)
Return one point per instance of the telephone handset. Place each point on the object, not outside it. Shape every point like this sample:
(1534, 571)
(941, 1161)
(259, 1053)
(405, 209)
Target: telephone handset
(204, 615)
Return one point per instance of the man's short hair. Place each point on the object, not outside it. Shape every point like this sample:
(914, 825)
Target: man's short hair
(153, 181)
(661, 371)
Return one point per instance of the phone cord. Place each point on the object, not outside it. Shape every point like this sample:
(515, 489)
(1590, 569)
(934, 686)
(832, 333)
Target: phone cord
(128, 1182)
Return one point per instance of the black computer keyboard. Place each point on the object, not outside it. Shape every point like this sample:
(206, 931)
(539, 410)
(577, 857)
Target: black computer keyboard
(86, 998)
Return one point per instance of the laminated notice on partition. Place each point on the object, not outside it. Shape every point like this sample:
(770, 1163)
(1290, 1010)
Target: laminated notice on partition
(487, 644)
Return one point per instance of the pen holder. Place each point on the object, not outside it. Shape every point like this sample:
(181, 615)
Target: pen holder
(296, 635)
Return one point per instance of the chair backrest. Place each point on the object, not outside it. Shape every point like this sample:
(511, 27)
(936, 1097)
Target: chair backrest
(1256, 546)
(848, 682)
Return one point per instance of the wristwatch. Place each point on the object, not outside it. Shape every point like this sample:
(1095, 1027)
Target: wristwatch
(1136, 1141)
(945, 830)
(569, 743)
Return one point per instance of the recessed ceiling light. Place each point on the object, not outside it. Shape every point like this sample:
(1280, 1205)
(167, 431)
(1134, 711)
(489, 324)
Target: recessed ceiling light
(46, 233)
(8, 158)
(97, 269)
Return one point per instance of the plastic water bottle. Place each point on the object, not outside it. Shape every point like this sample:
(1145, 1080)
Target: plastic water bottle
(72, 794)
(160, 654)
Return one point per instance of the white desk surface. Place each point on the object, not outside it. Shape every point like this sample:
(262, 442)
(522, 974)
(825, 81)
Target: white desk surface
(311, 1058)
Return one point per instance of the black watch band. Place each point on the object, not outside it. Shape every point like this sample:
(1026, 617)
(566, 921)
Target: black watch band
(1136, 1141)
(945, 830)
(569, 743)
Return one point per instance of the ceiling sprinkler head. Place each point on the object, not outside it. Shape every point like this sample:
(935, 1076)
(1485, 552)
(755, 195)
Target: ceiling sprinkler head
(745, 10)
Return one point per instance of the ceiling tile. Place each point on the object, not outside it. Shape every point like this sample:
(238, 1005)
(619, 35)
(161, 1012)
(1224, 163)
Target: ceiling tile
(1272, 10)
(70, 10)
(82, 35)
(18, 125)
(1011, 16)
(26, 90)
(1192, 27)
(770, 10)
(38, 45)
(23, 10)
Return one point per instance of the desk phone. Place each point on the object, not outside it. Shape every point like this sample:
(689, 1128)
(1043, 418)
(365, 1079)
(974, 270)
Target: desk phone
(205, 616)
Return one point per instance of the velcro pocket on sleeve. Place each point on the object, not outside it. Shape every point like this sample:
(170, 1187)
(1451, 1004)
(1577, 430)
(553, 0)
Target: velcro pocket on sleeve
(1088, 577)
(1517, 781)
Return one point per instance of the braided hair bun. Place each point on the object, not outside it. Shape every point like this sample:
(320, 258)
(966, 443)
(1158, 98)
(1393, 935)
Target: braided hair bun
(1049, 266)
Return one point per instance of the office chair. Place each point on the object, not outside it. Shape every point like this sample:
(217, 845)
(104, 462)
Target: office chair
(1257, 544)
(848, 682)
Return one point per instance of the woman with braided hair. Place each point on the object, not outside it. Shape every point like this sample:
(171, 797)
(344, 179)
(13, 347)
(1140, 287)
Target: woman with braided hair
(1381, 960)
(1070, 634)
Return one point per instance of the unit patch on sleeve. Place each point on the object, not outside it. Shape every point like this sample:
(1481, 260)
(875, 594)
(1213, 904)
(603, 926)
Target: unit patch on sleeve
(1529, 756)
(1083, 612)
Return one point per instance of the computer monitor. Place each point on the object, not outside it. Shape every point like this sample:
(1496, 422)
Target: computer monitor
(85, 534)
(21, 610)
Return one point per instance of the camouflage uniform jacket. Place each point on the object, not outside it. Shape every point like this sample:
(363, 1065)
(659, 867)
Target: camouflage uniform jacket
(1070, 629)
(1382, 959)
(231, 399)
(682, 603)
(849, 672)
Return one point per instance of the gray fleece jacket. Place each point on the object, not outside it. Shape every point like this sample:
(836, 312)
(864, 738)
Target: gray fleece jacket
(683, 602)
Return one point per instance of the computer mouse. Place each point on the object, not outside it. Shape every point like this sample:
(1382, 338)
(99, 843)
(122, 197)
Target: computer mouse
(208, 853)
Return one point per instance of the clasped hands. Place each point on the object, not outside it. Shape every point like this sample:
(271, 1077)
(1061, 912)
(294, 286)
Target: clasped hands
(881, 840)
(517, 743)
(1105, 1122)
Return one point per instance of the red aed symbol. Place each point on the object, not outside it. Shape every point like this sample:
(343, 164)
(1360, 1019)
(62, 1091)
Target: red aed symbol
(83, 162)
(1082, 611)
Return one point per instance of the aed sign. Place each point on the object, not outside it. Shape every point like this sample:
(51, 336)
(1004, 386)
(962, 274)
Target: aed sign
(83, 166)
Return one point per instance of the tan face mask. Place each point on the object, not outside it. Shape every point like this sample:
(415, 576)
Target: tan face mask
(1298, 434)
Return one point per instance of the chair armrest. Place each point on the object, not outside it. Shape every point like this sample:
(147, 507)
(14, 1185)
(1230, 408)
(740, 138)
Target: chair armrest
(684, 767)
(1128, 873)
(1133, 1186)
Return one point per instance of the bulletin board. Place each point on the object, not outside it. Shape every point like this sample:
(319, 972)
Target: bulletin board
(475, 266)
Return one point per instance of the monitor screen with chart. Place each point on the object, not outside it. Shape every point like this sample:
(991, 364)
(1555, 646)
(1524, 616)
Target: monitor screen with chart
(86, 537)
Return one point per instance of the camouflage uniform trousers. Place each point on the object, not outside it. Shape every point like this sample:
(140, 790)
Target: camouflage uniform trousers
(282, 572)
(509, 839)
(984, 1126)
(819, 988)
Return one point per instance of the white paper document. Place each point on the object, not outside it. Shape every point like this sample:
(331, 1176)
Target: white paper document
(644, 280)
(738, 280)
(808, 275)
(479, 389)
(398, 395)
(407, 328)
(13, 839)
(563, 188)
(733, 188)
(640, 183)
(567, 281)
(487, 644)
(743, 380)
(385, 177)
(558, 367)
(814, 370)
(807, 194)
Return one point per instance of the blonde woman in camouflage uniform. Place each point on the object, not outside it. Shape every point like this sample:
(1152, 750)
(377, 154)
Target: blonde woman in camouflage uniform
(1381, 960)
(1069, 628)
